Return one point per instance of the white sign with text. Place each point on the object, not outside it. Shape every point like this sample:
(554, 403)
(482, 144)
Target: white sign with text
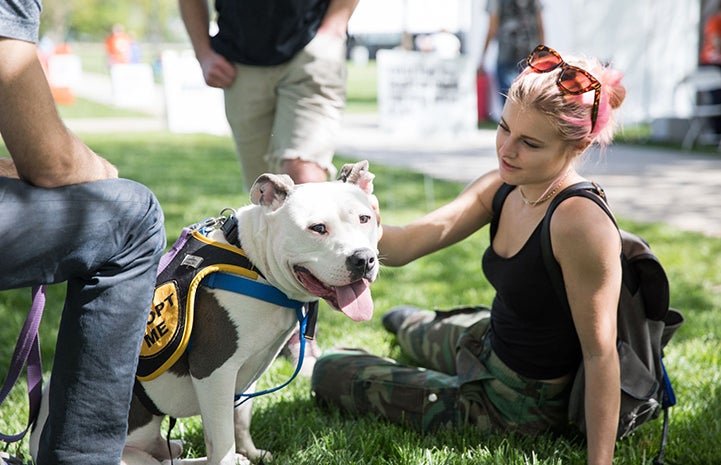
(425, 94)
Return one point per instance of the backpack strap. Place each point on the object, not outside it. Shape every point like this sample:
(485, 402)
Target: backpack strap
(586, 189)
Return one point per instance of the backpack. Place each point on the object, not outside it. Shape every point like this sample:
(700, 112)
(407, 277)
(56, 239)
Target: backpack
(645, 323)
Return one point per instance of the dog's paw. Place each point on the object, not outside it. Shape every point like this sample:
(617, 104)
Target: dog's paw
(176, 448)
(237, 459)
(241, 459)
(264, 458)
(258, 456)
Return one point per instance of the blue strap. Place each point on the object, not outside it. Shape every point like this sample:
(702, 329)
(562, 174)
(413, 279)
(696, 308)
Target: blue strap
(669, 397)
(303, 320)
(249, 287)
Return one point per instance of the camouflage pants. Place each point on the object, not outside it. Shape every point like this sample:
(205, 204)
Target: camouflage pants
(462, 381)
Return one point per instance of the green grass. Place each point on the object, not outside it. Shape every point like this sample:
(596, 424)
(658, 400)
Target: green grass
(197, 176)
(83, 108)
(362, 86)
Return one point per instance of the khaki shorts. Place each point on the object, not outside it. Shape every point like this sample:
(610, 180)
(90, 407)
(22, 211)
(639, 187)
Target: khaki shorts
(289, 111)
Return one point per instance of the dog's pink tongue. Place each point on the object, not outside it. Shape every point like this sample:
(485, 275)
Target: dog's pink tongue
(355, 300)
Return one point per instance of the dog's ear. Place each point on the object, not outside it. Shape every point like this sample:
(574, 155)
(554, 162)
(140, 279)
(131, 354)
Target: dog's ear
(358, 173)
(270, 190)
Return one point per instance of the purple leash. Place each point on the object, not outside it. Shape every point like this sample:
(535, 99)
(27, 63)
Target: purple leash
(27, 350)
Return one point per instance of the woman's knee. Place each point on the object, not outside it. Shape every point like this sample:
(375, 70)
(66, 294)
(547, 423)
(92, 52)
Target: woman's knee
(361, 383)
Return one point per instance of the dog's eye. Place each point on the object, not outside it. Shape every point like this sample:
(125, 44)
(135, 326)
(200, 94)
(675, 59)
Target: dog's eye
(319, 228)
(364, 218)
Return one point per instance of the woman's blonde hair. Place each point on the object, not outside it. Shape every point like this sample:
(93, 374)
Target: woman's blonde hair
(571, 114)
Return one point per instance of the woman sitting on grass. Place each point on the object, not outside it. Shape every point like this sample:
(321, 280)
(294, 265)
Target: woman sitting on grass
(510, 367)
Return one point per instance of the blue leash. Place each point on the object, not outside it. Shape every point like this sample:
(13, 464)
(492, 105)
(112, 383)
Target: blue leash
(307, 322)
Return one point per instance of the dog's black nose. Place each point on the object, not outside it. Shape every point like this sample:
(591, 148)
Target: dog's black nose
(360, 262)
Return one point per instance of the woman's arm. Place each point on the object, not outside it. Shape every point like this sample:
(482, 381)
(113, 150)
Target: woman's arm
(587, 245)
(444, 226)
(490, 35)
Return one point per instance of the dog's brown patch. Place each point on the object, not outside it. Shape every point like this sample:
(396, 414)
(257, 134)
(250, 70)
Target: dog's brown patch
(215, 340)
(138, 416)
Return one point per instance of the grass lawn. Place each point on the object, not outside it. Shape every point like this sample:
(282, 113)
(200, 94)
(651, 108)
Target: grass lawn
(362, 87)
(81, 108)
(196, 176)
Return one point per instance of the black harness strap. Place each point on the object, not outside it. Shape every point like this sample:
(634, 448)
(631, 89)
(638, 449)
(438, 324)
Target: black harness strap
(230, 230)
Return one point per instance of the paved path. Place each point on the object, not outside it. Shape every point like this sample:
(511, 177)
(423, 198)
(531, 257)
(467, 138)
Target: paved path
(643, 184)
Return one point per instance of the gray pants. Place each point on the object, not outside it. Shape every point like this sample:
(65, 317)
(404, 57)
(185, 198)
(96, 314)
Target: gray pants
(105, 240)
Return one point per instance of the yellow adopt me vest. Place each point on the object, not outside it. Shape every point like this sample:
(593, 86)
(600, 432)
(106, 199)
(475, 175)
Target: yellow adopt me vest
(170, 322)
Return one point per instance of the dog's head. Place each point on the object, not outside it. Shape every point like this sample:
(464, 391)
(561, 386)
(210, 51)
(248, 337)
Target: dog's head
(320, 239)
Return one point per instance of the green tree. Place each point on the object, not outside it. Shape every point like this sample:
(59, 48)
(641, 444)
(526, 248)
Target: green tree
(92, 20)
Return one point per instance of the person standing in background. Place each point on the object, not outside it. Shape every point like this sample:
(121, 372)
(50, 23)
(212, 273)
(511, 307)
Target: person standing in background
(282, 67)
(118, 45)
(517, 26)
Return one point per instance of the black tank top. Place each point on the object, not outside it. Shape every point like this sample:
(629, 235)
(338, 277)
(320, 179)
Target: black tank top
(531, 332)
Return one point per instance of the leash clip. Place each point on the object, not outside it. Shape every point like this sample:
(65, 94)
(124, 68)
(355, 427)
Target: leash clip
(205, 225)
(213, 223)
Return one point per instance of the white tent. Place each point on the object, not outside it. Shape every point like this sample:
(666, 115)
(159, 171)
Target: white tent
(654, 42)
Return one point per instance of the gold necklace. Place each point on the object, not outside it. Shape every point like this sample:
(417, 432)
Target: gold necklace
(545, 197)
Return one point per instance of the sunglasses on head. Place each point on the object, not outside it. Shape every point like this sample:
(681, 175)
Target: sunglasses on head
(572, 79)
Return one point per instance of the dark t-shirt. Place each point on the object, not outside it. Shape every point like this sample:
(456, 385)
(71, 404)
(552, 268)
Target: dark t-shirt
(531, 332)
(266, 32)
(518, 28)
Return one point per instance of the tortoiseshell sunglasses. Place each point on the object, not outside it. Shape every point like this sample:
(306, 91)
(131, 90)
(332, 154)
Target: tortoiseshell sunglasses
(572, 79)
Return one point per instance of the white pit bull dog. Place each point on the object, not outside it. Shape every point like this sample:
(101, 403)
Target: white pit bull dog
(310, 241)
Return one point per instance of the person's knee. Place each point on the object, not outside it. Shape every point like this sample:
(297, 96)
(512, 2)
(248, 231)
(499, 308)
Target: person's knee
(303, 171)
(141, 214)
(336, 373)
(357, 382)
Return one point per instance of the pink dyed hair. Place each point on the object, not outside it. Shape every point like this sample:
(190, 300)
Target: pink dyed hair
(571, 114)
